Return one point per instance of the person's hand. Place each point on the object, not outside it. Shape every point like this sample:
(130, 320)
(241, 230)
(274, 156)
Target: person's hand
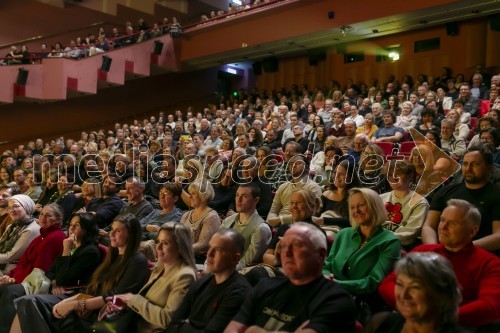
(38, 207)
(103, 233)
(277, 253)
(4, 280)
(62, 309)
(69, 243)
(81, 210)
(152, 228)
(329, 277)
(58, 291)
(125, 298)
(255, 329)
(274, 221)
(201, 273)
(230, 212)
(318, 220)
(302, 327)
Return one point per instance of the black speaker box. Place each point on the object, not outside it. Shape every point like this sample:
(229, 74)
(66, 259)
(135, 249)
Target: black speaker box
(158, 47)
(495, 22)
(22, 77)
(452, 28)
(257, 68)
(106, 63)
(270, 65)
(315, 57)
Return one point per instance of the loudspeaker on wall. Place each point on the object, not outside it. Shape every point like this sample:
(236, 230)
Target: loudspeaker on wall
(22, 77)
(452, 28)
(106, 63)
(495, 22)
(257, 68)
(270, 65)
(158, 47)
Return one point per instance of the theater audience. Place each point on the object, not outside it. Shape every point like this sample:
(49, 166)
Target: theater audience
(123, 270)
(477, 270)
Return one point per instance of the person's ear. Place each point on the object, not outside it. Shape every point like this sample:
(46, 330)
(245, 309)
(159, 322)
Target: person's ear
(237, 257)
(322, 254)
(473, 231)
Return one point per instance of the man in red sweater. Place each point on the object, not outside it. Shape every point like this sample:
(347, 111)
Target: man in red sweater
(477, 270)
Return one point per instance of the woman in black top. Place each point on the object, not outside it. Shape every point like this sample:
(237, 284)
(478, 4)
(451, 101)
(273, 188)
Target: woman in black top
(123, 270)
(335, 210)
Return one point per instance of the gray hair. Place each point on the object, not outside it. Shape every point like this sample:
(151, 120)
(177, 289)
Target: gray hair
(448, 121)
(363, 136)
(470, 213)
(436, 275)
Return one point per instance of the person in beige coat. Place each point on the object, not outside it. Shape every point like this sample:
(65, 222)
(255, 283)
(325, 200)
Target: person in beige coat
(169, 282)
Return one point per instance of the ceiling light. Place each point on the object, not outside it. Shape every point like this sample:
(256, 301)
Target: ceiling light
(394, 56)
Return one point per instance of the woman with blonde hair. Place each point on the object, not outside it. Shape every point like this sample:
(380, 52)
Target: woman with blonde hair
(368, 128)
(201, 220)
(364, 254)
(461, 130)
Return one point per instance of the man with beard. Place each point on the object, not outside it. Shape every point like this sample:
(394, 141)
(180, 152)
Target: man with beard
(109, 206)
(477, 169)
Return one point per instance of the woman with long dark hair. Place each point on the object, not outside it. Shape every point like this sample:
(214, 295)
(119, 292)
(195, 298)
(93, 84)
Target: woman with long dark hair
(123, 270)
(169, 282)
(335, 210)
(74, 267)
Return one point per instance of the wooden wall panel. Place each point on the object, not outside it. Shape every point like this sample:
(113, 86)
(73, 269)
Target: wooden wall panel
(475, 45)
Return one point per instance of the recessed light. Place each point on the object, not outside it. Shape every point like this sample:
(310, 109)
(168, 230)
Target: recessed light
(375, 31)
(422, 22)
(475, 11)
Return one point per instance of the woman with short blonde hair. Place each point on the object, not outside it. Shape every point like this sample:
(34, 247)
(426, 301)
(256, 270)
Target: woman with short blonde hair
(367, 249)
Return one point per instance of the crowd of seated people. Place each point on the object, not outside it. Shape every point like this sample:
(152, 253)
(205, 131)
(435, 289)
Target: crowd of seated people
(201, 173)
(102, 41)
(95, 43)
(234, 8)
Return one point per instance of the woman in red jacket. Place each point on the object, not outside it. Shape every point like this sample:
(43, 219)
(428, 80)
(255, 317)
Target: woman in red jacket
(44, 249)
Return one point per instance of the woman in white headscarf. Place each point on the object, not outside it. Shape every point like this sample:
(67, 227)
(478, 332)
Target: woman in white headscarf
(20, 233)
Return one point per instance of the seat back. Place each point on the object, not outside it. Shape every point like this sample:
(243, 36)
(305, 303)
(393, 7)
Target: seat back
(386, 147)
(473, 122)
(406, 147)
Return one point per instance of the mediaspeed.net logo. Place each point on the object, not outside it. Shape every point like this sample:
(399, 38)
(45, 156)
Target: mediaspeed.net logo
(436, 165)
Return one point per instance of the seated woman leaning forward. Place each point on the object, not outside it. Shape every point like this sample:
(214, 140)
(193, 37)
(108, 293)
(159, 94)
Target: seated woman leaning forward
(123, 270)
